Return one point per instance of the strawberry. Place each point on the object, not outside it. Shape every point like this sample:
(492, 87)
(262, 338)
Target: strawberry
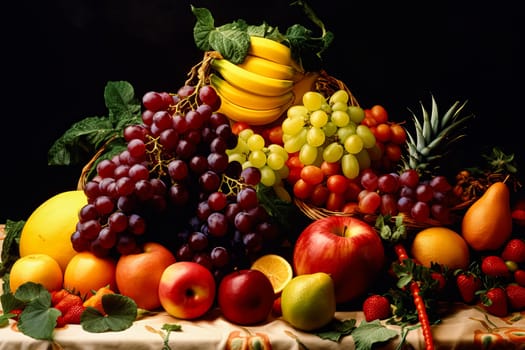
(376, 307)
(468, 284)
(494, 301)
(16, 312)
(494, 266)
(516, 296)
(67, 302)
(514, 250)
(58, 295)
(519, 277)
(73, 314)
(441, 280)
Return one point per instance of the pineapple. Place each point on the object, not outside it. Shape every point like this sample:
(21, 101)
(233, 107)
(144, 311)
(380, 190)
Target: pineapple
(433, 138)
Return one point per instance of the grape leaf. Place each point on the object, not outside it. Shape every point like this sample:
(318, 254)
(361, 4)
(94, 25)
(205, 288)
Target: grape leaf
(123, 107)
(84, 138)
(370, 333)
(121, 312)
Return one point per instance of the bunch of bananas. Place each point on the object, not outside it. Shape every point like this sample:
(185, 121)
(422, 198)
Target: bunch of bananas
(261, 88)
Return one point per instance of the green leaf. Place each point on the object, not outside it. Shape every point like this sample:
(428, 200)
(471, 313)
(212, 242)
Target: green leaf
(30, 291)
(122, 105)
(81, 140)
(369, 333)
(10, 253)
(38, 319)
(84, 138)
(266, 31)
(204, 25)
(121, 313)
(4, 319)
(337, 329)
(9, 302)
(231, 40)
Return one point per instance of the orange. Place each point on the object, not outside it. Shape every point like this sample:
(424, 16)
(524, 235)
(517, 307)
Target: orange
(276, 268)
(87, 272)
(440, 245)
(37, 268)
(48, 229)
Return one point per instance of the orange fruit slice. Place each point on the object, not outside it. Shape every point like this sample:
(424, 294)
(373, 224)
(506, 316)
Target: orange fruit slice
(278, 270)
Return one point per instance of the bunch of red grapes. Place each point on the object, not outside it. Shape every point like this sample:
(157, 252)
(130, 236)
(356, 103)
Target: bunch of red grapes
(175, 185)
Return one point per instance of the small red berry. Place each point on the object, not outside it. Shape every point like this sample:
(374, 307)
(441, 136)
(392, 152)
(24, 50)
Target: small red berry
(376, 307)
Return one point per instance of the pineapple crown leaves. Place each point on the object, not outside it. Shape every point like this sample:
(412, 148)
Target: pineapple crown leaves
(433, 135)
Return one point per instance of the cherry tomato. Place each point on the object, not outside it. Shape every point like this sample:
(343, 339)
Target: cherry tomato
(312, 174)
(393, 151)
(302, 189)
(294, 161)
(294, 174)
(337, 183)
(369, 121)
(237, 127)
(383, 132)
(330, 168)
(275, 135)
(352, 191)
(379, 113)
(398, 134)
(335, 201)
(319, 195)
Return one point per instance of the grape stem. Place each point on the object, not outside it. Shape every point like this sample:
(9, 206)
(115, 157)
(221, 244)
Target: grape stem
(418, 301)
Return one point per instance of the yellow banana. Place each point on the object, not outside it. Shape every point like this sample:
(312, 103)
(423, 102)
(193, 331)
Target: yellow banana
(251, 116)
(270, 50)
(251, 81)
(247, 99)
(268, 68)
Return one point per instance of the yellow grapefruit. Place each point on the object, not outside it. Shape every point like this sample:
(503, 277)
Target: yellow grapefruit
(36, 268)
(440, 245)
(48, 229)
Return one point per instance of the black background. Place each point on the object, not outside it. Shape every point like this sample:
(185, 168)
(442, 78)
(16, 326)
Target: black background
(59, 55)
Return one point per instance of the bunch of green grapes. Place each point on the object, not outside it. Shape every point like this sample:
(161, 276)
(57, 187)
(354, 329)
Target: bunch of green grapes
(251, 151)
(329, 130)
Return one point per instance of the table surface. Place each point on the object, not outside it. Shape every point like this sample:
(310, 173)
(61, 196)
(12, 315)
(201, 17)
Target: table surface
(463, 327)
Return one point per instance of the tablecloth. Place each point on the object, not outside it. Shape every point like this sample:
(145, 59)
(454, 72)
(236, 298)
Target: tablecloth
(463, 327)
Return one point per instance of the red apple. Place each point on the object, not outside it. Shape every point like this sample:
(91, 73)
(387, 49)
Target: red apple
(245, 296)
(187, 290)
(346, 248)
(138, 274)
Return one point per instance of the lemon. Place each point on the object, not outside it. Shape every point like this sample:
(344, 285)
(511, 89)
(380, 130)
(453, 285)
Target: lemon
(440, 245)
(276, 268)
(48, 229)
(308, 301)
